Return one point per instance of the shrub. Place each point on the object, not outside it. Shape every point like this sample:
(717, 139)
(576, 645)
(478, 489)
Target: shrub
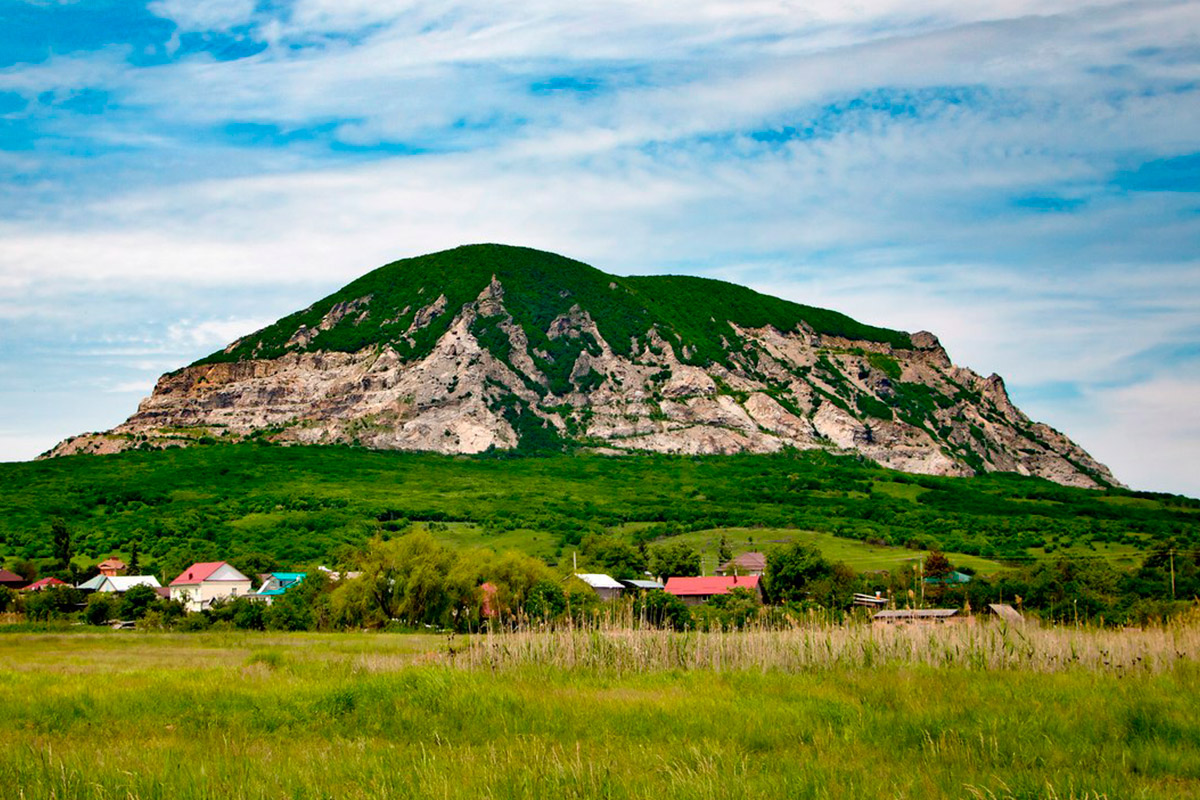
(99, 609)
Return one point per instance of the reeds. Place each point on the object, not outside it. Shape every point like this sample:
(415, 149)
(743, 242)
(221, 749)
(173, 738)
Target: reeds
(981, 643)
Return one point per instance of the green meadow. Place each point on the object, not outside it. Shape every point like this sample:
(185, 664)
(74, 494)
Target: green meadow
(980, 712)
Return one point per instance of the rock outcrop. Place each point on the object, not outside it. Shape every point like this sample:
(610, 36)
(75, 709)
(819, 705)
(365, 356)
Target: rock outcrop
(488, 375)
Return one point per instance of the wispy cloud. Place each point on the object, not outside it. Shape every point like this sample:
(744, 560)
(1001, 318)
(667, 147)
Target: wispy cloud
(1018, 176)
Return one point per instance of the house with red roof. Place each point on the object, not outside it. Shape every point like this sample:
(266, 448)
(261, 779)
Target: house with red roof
(43, 584)
(202, 583)
(695, 591)
(11, 580)
(111, 567)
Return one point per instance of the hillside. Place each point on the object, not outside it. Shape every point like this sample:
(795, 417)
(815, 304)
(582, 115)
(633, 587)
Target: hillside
(494, 347)
(303, 505)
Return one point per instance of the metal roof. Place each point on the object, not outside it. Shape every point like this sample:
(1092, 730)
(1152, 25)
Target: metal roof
(633, 583)
(598, 580)
(279, 582)
(916, 613)
(710, 584)
(756, 561)
(92, 584)
(200, 572)
(123, 583)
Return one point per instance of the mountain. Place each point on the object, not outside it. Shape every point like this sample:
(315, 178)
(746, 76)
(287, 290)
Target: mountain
(491, 346)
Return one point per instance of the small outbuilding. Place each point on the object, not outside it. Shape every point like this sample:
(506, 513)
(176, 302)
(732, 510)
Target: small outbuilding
(950, 579)
(605, 586)
(276, 584)
(695, 591)
(744, 564)
(920, 616)
(638, 585)
(1006, 612)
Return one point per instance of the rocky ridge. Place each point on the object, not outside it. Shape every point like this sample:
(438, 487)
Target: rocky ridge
(421, 369)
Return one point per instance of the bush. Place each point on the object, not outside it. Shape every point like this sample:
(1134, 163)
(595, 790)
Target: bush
(99, 609)
(51, 603)
(136, 602)
(546, 601)
(663, 610)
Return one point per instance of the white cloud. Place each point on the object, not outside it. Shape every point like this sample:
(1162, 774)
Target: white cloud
(896, 217)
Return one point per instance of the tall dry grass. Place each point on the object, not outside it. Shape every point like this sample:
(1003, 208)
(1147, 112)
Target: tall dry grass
(982, 644)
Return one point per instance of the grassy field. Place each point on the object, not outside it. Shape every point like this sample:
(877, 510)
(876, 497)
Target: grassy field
(855, 712)
(860, 555)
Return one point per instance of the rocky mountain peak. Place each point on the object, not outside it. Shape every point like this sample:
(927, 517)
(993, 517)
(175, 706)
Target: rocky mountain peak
(488, 346)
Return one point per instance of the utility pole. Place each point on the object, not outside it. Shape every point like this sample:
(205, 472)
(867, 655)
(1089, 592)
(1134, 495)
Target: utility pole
(921, 578)
(1172, 573)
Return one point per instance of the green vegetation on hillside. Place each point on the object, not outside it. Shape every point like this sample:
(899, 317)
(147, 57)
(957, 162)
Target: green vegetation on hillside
(538, 287)
(270, 507)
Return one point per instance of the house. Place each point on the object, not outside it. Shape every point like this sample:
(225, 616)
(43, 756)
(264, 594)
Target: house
(695, 591)
(200, 584)
(111, 566)
(637, 585)
(745, 564)
(275, 584)
(920, 616)
(45, 583)
(11, 580)
(120, 584)
(605, 587)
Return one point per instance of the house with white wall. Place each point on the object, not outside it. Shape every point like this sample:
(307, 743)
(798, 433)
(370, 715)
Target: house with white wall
(200, 584)
(118, 583)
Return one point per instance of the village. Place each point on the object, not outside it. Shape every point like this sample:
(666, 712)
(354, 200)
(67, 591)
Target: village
(207, 586)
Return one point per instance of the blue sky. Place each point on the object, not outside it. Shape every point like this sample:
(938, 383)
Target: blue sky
(1020, 177)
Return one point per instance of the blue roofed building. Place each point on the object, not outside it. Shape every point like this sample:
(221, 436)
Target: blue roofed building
(275, 584)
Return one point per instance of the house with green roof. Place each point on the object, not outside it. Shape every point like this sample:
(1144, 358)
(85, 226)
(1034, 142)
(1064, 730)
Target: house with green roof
(276, 584)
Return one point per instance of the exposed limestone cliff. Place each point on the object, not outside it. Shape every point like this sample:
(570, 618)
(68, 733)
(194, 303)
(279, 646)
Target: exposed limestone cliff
(463, 377)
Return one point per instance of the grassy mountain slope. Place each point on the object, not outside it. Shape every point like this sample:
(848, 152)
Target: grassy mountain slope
(539, 287)
(301, 504)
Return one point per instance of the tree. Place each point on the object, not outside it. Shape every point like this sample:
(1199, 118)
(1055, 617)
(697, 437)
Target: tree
(134, 563)
(937, 565)
(546, 600)
(675, 560)
(662, 610)
(61, 536)
(724, 552)
(51, 602)
(791, 569)
(27, 569)
(136, 602)
(617, 558)
(99, 608)
(254, 564)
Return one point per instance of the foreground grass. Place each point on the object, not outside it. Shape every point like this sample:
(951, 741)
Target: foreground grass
(322, 716)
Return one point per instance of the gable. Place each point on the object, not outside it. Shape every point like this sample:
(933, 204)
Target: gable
(226, 573)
